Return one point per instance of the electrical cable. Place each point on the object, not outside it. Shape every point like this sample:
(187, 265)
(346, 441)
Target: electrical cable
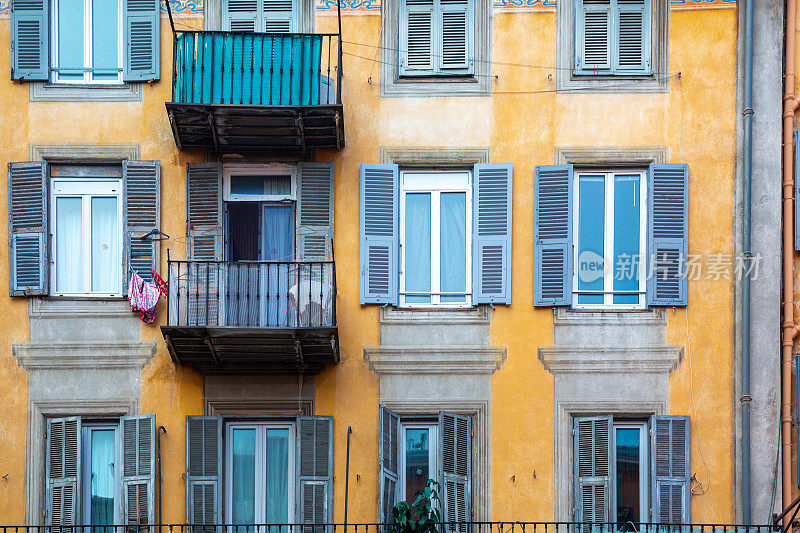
(699, 489)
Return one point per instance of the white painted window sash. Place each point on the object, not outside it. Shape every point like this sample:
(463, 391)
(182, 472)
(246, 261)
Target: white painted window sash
(644, 469)
(433, 454)
(229, 171)
(86, 469)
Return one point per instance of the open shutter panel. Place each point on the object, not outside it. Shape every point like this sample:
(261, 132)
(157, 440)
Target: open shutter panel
(633, 37)
(27, 228)
(670, 469)
(667, 216)
(315, 468)
(455, 452)
(417, 20)
(315, 212)
(592, 463)
(203, 469)
(279, 16)
(379, 234)
(142, 180)
(63, 467)
(552, 235)
(138, 469)
(491, 255)
(240, 15)
(455, 56)
(592, 36)
(142, 21)
(30, 40)
(388, 453)
(204, 211)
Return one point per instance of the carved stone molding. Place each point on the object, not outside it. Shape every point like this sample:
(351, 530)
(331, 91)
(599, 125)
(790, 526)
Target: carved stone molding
(83, 355)
(435, 360)
(643, 359)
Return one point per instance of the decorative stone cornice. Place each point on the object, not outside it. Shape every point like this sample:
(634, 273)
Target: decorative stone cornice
(83, 355)
(435, 360)
(640, 359)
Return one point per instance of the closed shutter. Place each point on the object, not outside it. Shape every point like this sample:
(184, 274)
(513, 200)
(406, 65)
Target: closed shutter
(552, 235)
(203, 470)
(455, 28)
(63, 466)
(142, 37)
(27, 228)
(315, 471)
(455, 455)
(388, 452)
(592, 36)
(379, 234)
(204, 211)
(315, 212)
(30, 40)
(491, 265)
(417, 20)
(669, 453)
(632, 36)
(592, 464)
(279, 16)
(142, 185)
(240, 15)
(138, 469)
(668, 233)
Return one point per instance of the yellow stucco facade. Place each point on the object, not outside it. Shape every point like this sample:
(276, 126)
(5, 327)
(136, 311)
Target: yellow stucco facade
(524, 121)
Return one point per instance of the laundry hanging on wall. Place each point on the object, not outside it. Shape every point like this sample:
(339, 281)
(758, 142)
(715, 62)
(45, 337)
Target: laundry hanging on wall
(144, 298)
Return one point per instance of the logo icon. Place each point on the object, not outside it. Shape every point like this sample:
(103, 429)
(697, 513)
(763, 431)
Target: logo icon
(591, 266)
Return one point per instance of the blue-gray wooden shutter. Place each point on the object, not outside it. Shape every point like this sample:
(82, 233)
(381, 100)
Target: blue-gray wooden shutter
(203, 470)
(27, 228)
(631, 37)
(315, 212)
(379, 234)
(138, 469)
(454, 37)
(30, 40)
(797, 197)
(314, 471)
(491, 226)
(63, 467)
(593, 24)
(240, 15)
(552, 235)
(455, 471)
(417, 41)
(142, 203)
(669, 453)
(388, 453)
(204, 211)
(592, 464)
(668, 233)
(142, 38)
(279, 16)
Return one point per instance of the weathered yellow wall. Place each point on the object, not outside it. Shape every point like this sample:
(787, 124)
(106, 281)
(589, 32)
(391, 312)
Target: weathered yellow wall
(523, 122)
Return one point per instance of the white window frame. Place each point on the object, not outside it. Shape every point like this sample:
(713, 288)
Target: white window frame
(435, 183)
(644, 467)
(259, 170)
(88, 75)
(86, 469)
(86, 189)
(608, 240)
(433, 452)
(260, 465)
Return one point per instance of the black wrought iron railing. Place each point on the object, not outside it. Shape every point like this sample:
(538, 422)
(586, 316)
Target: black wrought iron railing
(252, 294)
(245, 68)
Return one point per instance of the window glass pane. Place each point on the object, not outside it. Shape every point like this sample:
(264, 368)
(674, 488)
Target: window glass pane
(591, 227)
(628, 474)
(69, 244)
(418, 246)
(453, 245)
(626, 237)
(105, 236)
(102, 483)
(105, 48)
(278, 233)
(417, 450)
(243, 476)
(70, 39)
(261, 185)
(277, 477)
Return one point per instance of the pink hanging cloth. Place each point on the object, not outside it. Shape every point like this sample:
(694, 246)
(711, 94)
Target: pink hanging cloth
(144, 297)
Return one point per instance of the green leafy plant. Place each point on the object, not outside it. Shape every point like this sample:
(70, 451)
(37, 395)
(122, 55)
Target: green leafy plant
(421, 516)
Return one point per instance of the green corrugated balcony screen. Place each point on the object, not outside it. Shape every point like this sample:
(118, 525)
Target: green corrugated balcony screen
(248, 68)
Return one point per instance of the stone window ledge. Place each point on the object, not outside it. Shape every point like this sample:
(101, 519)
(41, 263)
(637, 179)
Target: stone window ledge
(569, 317)
(78, 308)
(593, 360)
(409, 360)
(83, 355)
(56, 92)
(406, 317)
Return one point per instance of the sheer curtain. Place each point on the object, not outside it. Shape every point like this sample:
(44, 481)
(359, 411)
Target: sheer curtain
(69, 245)
(102, 502)
(453, 245)
(244, 476)
(278, 245)
(277, 477)
(105, 243)
(418, 246)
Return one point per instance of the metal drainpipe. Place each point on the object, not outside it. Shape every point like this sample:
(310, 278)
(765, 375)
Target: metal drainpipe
(746, 252)
(789, 107)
